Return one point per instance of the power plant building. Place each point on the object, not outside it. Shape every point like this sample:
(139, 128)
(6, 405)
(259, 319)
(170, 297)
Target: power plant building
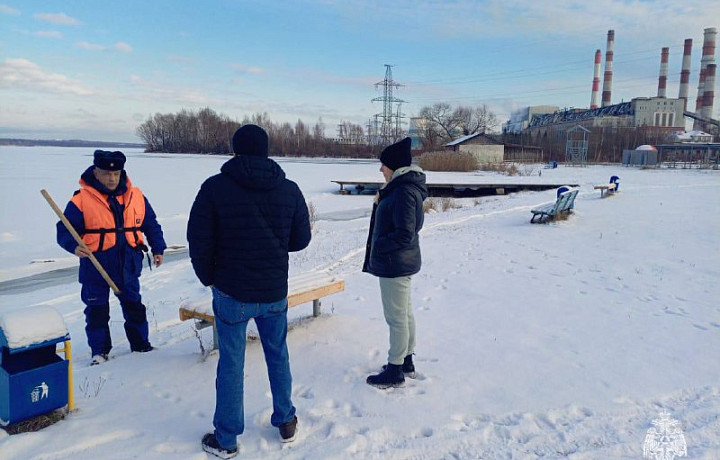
(656, 112)
(521, 119)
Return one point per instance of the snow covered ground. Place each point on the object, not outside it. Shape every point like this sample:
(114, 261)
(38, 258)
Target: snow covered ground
(563, 340)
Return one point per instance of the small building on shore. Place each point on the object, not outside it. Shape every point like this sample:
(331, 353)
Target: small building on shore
(485, 148)
(488, 149)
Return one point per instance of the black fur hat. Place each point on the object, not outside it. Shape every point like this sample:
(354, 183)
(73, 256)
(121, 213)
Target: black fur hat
(250, 140)
(109, 161)
(397, 155)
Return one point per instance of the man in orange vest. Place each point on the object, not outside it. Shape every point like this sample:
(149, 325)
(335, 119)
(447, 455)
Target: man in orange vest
(111, 216)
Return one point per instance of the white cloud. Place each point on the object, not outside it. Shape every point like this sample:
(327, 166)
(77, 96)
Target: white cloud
(48, 34)
(90, 46)
(250, 70)
(123, 47)
(181, 59)
(61, 19)
(23, 74)
(494, 19)
(4, 9)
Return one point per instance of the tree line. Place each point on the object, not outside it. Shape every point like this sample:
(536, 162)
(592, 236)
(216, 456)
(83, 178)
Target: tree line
(208, 132)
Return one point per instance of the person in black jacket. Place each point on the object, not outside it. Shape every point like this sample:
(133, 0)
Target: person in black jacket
(393, 254)
(242, 225)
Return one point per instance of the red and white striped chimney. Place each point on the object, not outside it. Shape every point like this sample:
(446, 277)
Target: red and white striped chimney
(685, 72)
(662, 80)
(709, 91)
(708, 57)
(596, 81)
(699, 98)
(607, 80)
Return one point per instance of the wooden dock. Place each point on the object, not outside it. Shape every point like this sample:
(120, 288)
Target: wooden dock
(459, 190)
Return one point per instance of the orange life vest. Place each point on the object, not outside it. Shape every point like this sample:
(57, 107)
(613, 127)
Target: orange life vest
(100, 229)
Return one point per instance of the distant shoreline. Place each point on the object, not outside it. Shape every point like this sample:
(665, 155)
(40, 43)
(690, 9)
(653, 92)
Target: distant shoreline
(67, 143)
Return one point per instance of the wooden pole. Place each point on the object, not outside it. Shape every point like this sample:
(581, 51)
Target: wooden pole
(79, 240)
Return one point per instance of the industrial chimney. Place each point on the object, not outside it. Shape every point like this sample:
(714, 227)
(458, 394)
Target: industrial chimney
(708, 63)
(685, 72)
(607, 81)
(596, 81)
(662, 80)
(709, 91)
(708, 57)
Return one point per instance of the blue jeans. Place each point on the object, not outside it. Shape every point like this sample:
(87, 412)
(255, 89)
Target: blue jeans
(231, 319)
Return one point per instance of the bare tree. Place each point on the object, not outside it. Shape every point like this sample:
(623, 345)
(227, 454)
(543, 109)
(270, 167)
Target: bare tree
(442, 123)
(441, 119)
(473, 120)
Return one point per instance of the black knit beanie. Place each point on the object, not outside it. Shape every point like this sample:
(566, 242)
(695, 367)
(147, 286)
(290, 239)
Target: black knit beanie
(250, 140)
(397, 155)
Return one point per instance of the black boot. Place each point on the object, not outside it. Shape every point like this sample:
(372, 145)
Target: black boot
(408, 367)
(391, 376)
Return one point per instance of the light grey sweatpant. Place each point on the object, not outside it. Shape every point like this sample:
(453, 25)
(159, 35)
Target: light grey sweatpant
(395, 293)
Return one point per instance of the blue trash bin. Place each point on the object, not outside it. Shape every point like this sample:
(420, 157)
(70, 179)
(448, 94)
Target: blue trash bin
(33, 378)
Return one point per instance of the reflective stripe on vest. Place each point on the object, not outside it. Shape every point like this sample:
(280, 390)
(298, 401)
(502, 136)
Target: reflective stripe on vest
(100, 228)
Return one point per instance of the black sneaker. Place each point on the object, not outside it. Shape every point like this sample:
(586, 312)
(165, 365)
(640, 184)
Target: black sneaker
(144, 349)
(288, 430)
(391, 376)
(408, 367)
(211, 446)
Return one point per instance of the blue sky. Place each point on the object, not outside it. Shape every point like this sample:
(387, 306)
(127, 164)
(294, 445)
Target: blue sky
(96, 70)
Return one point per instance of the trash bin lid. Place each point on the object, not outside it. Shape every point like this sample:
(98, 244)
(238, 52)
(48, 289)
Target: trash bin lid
(25, 328)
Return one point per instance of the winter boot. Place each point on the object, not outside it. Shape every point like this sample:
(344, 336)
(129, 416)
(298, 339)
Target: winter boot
(391, 376)
(98, 359)
(211, 446)
(408, 367)
(288, 430)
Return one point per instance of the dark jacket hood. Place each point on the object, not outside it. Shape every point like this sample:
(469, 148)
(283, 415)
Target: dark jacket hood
(413, 178)
(89, 178)
(254, 172)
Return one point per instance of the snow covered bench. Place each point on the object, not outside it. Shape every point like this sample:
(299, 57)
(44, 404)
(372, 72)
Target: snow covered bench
(564, 204)
(611, 187)
(301, 289)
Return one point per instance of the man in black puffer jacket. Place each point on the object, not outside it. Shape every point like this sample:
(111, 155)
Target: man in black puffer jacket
(242, 225)
(393, 254)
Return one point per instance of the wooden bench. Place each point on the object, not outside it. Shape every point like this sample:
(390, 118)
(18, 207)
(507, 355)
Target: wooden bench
(564, 204)
(609, 188)
(605, 189)
(308, 287)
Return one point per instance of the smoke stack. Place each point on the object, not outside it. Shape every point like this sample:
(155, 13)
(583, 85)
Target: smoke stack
(607, 81)
(708, 57)
(596, 81)
(685, 72)
(699, 98)
(709, 91)
(662, 80)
